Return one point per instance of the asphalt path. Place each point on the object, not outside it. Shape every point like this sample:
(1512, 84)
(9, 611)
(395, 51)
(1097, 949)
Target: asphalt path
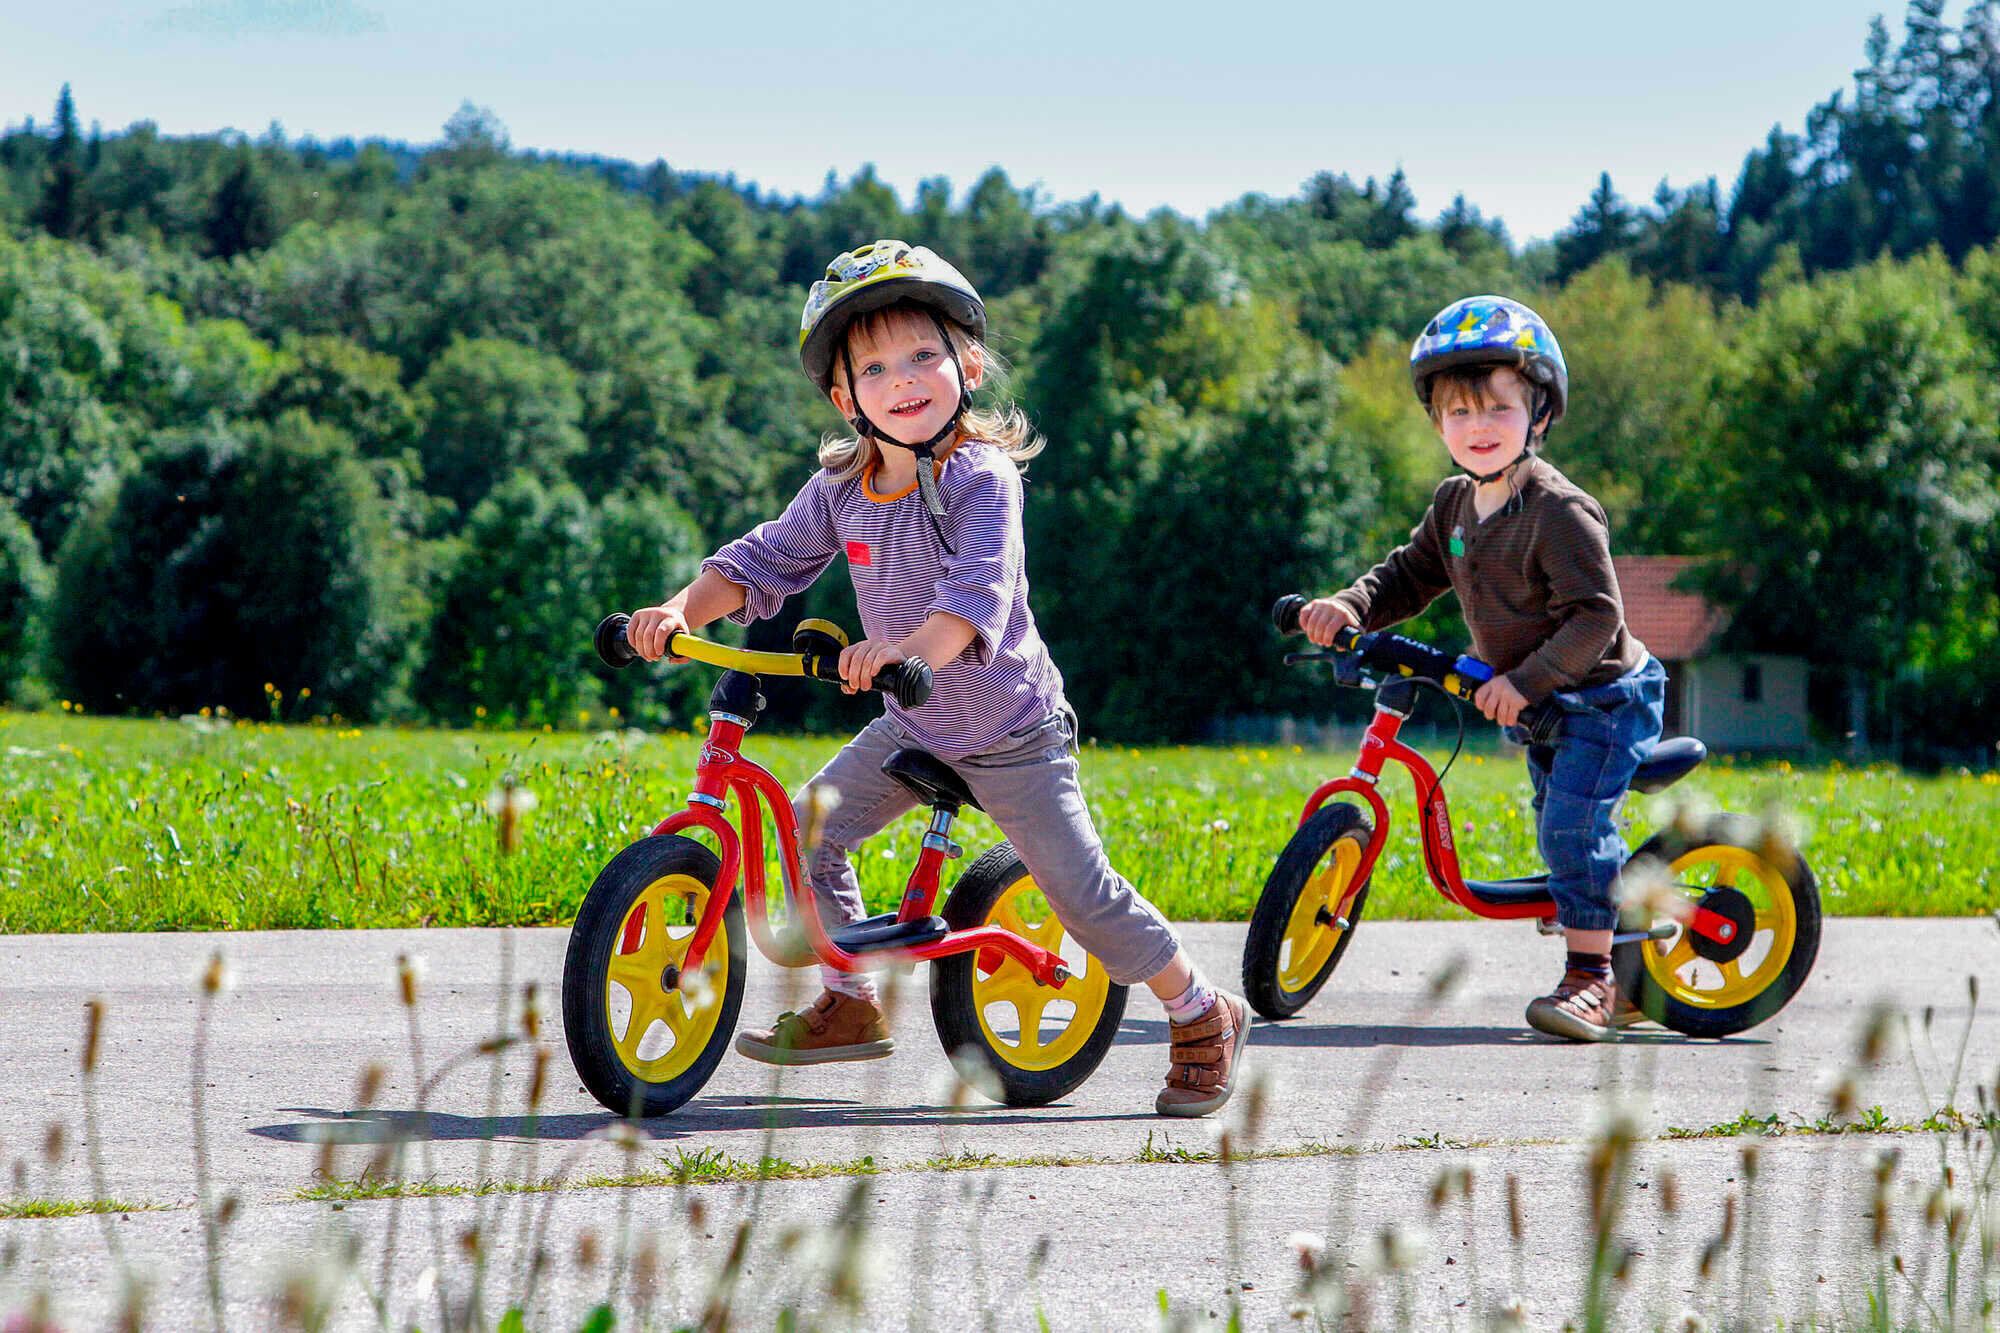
(1089, 1213)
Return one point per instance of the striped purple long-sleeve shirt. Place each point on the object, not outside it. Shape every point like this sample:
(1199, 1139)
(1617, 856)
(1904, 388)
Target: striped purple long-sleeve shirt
(1005, 679)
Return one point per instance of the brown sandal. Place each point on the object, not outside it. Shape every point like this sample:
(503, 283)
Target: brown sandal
(1207, 1058)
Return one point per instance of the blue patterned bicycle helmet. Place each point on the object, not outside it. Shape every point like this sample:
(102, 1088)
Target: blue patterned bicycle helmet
(1491, 331)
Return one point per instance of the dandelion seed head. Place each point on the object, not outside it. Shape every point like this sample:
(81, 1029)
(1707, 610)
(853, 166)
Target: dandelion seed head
(1614, 1119)
(409, 972)
(974, 1074)
(531, 1011)
(510, 795)
(307, 1291)
(622, 1134)
(646, 1268)
(1309, 1246)
(1402, 1248)
(93, 1020)
(538, 1080)
(217, 976)
(1449, 976)
(698, 987)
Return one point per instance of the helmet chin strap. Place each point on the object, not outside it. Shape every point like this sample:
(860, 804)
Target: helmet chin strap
(926, 482)
(1483, 477)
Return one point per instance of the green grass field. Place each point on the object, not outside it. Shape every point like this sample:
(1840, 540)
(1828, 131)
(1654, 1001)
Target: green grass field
(114, 824)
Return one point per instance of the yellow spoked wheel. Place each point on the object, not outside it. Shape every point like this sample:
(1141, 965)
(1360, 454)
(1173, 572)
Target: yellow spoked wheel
(1745, 874)
(1037, 1043)
(1296, 937)
(644, 1034)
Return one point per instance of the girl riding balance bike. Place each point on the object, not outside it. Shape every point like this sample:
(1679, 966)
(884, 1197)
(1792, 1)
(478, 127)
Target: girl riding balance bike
(924, 502)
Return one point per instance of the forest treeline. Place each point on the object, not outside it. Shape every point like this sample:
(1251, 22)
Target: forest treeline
(377, 430)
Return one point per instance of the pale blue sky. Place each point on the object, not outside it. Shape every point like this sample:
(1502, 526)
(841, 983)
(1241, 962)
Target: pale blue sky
(1174, 104)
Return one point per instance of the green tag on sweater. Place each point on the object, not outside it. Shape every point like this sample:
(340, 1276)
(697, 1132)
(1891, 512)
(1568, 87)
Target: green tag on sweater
(1457, 543)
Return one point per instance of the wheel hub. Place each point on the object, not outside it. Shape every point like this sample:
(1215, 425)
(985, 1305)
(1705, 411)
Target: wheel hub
(1731, 905)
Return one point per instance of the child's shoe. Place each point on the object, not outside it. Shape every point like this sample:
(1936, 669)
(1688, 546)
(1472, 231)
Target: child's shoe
(1207, 1058)
(836, 1027)
(1582, 1007)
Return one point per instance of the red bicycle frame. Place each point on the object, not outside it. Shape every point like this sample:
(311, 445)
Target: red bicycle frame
(1380, 746)
(723, 771)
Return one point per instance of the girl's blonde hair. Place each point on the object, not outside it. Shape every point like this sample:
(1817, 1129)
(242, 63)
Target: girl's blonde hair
(1004, 426)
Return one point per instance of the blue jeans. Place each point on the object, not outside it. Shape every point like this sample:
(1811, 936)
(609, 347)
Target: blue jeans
(1607, 731)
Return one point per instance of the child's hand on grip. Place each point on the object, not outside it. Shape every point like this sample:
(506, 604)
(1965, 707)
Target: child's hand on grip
(1499, 700)
(860, 661)
(1323, 618)
(652, 628)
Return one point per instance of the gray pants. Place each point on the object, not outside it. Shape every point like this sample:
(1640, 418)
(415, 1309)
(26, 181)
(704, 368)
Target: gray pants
(1028, 784)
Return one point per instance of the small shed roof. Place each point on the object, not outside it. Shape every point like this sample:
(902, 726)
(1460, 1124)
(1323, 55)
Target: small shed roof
(1675, 625)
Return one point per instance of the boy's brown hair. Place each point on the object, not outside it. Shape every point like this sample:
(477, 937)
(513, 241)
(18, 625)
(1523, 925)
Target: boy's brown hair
(1476, 383)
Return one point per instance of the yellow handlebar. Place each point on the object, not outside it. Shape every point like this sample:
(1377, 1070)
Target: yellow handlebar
(909, 680)
(736, 659)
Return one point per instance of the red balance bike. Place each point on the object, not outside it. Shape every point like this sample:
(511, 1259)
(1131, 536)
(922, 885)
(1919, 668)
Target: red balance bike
(654, 976)
(1727, 943)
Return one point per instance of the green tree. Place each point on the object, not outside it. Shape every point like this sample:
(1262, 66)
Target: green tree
(88, 362)
(1193, 474)
(491, 407)
(24, 589)
(236, 557)
(1246, 505)
(1636, 432)
(1604, 226)
(533, 571)
(1855, 495)
(241, 217)
(342, 384)
(60, 211)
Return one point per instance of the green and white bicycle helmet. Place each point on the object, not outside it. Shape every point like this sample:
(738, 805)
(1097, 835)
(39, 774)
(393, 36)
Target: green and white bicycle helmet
(871, 278)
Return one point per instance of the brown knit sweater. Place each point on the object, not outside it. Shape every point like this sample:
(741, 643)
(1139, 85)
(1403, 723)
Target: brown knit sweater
(1534, 581)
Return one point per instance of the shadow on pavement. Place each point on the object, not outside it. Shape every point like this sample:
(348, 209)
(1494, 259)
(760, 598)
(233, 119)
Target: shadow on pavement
(1306, 1033)
(701, 1116)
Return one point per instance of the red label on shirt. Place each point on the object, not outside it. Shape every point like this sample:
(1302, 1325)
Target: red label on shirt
(859, 554)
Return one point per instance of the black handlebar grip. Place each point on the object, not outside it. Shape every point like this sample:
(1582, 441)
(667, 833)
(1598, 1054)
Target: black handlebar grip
(1285, 612)
(909, 680)
(1542, 722)
(612, 649)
